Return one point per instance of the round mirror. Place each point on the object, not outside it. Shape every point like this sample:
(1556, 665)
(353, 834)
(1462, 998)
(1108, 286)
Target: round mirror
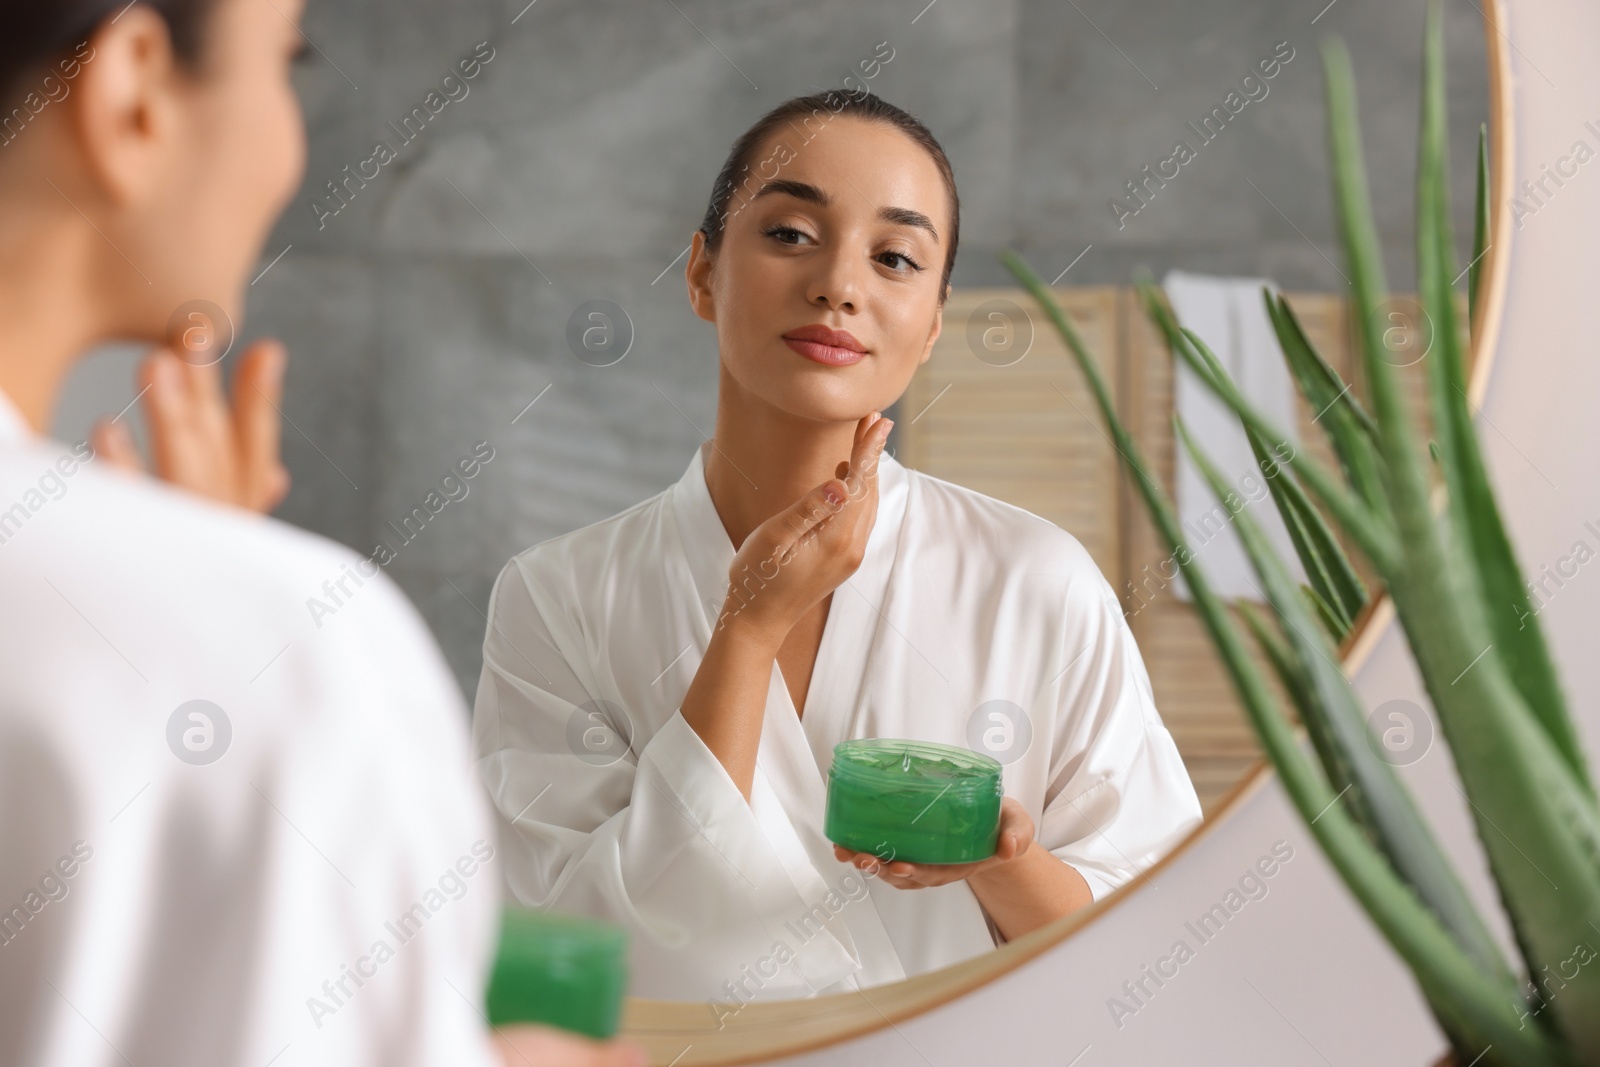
(536, 401)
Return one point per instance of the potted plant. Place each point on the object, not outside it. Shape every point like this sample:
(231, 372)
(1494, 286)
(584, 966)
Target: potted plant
(1459, 596)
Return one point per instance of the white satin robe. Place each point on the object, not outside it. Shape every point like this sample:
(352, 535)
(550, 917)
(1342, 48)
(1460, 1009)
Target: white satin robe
(158, 908)
(961, 599)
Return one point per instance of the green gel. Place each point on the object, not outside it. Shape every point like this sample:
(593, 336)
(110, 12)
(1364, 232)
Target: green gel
(916, 801)
(560, 970)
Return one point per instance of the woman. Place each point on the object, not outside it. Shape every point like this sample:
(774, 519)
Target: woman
(657, 748)
(212, 813)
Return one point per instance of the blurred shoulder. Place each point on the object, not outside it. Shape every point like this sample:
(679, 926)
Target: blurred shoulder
(199, 572)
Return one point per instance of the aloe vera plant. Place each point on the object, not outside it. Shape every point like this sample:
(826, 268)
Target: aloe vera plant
(1460, 599)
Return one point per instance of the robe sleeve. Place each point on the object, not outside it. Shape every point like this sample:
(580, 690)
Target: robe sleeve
(1119, 796)
(648, 832)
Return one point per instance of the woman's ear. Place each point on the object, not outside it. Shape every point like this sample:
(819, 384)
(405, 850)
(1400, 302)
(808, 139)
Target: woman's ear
(698, 276)
(938, 325)
(123, 111)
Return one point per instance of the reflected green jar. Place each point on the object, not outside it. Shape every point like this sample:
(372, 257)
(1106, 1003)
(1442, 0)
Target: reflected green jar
(917, 801)
(559, 970)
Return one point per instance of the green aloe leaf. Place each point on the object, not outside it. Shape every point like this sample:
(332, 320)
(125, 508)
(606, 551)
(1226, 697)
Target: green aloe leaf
(1277, 652)
(1497, 579)
(1311, 370)
(1334, 719)
(1480, 224)
(1537, 822)
(1370, 530)
(1350, 429)
(1332, 577)
(1337, 628)
(1470, 1002)
(1339, 591)
(1319, 553)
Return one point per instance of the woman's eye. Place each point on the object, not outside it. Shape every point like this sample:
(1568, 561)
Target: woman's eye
(783, 233)
(790, 236)
(911, 264)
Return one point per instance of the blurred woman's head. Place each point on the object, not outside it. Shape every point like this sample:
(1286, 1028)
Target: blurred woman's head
(836, 211)
(151, 143)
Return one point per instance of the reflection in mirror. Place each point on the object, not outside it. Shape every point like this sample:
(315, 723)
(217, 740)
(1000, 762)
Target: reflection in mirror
(664, 690)
(676, 702)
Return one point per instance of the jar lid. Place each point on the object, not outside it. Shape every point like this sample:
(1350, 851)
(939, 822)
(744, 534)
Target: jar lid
(529, 933)
(922, 766)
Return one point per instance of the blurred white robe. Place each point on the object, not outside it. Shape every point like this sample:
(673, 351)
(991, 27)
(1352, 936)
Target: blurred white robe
(610, 804)
(155, 909)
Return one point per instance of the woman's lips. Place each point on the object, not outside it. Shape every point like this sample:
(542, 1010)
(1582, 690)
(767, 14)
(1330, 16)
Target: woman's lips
(821, 353)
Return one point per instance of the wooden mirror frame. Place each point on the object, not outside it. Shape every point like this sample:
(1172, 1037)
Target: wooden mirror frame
(683, 1033)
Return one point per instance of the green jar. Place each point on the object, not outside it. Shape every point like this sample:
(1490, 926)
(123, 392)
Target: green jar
(559, 970)
(917, 801)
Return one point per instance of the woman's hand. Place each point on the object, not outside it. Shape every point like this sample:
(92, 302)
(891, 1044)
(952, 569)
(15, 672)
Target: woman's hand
(198, 442)
(1022, 887)
(543, 1046)
(1016, 835)
(789, 563)
(783, 569)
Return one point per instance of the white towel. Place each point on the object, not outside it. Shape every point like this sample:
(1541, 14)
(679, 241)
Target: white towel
(1228, 315)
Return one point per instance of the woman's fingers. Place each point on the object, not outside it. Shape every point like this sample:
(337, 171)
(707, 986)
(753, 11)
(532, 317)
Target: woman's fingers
(899, 873)
(865, 462)
(202, 377)
(807, 515)
(1016, 829)
(257, 395)
(1015, 838)
(810, 513)
(858, 471)
(208, 451)
(868, 430)
(829, 527)
(202, 444)
(524, 1043)
(862, 481)
(170, 416)
(113, 442)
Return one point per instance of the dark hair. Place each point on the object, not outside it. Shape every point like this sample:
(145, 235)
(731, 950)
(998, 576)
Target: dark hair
(864, 105)
(36, 32)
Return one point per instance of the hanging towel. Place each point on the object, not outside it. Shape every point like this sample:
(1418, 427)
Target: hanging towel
(1229, 316)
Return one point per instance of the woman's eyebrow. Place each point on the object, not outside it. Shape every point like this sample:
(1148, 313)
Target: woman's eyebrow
(900, 216)
(904, 216)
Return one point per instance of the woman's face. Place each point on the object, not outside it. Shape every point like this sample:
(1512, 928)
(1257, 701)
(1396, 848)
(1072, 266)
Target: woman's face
(236, 154)
(850, 234)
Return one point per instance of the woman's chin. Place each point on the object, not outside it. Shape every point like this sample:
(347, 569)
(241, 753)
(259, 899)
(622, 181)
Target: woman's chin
(811, 392)
(830, 406)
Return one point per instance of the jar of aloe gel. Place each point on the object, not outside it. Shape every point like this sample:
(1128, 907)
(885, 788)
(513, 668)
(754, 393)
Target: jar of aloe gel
(561, 970)
(917, 801)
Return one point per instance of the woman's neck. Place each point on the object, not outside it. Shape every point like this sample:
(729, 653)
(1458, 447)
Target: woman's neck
(47, 317)
(761, 459)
